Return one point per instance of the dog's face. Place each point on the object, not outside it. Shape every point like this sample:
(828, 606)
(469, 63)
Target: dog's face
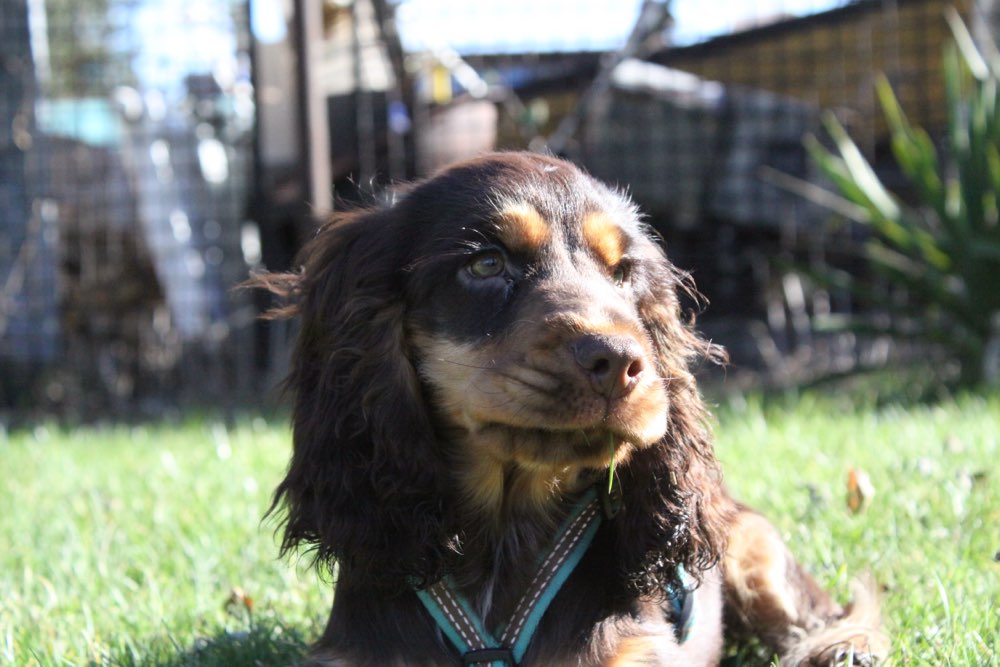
(525, 314)
(467, 358)
(499, 333)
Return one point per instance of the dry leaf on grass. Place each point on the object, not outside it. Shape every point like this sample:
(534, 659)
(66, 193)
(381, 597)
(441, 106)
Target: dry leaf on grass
(859, 490)
(239, 599)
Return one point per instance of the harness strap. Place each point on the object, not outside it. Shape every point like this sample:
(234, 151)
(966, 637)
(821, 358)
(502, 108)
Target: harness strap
(467, 632)
(456, 619)
(680, 597)
(574, 538)
(465, 629)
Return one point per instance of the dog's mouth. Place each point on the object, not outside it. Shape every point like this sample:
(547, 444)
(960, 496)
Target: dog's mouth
(540, 408)
(562, 429)
(545, 448)
(584, 421)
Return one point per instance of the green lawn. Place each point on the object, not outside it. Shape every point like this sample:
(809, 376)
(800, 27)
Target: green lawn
(931, 533)
(122, 545)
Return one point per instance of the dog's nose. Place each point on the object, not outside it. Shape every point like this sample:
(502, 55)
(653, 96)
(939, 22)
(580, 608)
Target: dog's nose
(613, 364)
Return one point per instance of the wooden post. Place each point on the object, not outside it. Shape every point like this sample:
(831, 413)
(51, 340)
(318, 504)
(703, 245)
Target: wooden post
(314, 125)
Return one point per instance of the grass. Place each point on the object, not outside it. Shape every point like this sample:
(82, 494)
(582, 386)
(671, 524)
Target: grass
(122, 545)
(931, 533)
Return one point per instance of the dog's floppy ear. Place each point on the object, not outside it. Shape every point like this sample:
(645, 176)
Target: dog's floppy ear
(675, 508)
(362, 485)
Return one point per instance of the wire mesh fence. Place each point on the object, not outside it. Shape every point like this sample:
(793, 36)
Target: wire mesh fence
(130, 164)
(154, 152)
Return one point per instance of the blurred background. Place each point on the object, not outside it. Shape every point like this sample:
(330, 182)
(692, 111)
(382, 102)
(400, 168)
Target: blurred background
(154, 152)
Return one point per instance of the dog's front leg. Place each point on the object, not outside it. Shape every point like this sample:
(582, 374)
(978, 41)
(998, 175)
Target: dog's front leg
(768, 594)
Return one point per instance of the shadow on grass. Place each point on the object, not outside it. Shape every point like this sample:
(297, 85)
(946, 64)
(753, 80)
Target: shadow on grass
(271, 644)
(264, 644)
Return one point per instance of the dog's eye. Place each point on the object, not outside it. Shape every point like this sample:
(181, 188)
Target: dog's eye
(488, 264)
(622, 273)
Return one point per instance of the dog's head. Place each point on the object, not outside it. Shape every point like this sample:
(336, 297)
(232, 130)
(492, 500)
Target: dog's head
(492, 340)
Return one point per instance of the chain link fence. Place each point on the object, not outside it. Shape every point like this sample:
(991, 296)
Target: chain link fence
(152, 153)
(127, 156)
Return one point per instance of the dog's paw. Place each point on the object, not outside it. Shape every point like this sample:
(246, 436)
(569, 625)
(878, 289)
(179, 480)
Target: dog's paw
(856, 652)
(856, 638)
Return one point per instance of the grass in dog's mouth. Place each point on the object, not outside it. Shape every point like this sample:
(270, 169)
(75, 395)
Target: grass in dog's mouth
(611, 465)
(612, 459)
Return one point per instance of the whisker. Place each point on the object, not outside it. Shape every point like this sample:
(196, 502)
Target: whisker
(479, 232)
(510, 376)
(466, 365)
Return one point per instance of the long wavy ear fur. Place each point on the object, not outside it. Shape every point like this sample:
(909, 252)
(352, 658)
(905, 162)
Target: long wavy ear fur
(361, 488)
(675, 509)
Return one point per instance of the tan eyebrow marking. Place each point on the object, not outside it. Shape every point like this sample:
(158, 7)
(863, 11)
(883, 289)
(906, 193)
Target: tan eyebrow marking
(522, 228)
(604, 237)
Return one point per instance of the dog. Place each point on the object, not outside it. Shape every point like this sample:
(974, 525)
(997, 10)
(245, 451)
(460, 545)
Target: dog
(495, 369)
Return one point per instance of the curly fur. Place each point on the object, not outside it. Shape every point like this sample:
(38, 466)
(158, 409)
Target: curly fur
(398, 479)
(363, 488)
(675, 509)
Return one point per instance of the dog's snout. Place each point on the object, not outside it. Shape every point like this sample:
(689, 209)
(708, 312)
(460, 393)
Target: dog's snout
(613, 364)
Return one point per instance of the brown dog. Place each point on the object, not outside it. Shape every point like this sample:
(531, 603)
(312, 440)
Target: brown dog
(471, 362)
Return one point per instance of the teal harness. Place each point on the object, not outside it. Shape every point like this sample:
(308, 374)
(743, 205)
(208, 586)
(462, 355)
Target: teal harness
(467, 632)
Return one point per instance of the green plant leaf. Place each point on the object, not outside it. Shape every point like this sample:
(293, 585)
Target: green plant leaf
(881, 210)
(913, 149)
(967, 45)
(863, 175)
(939, 258)
(834, 168)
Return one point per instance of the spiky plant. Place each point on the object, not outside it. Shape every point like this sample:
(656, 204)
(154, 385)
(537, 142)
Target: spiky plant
(944, 250)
